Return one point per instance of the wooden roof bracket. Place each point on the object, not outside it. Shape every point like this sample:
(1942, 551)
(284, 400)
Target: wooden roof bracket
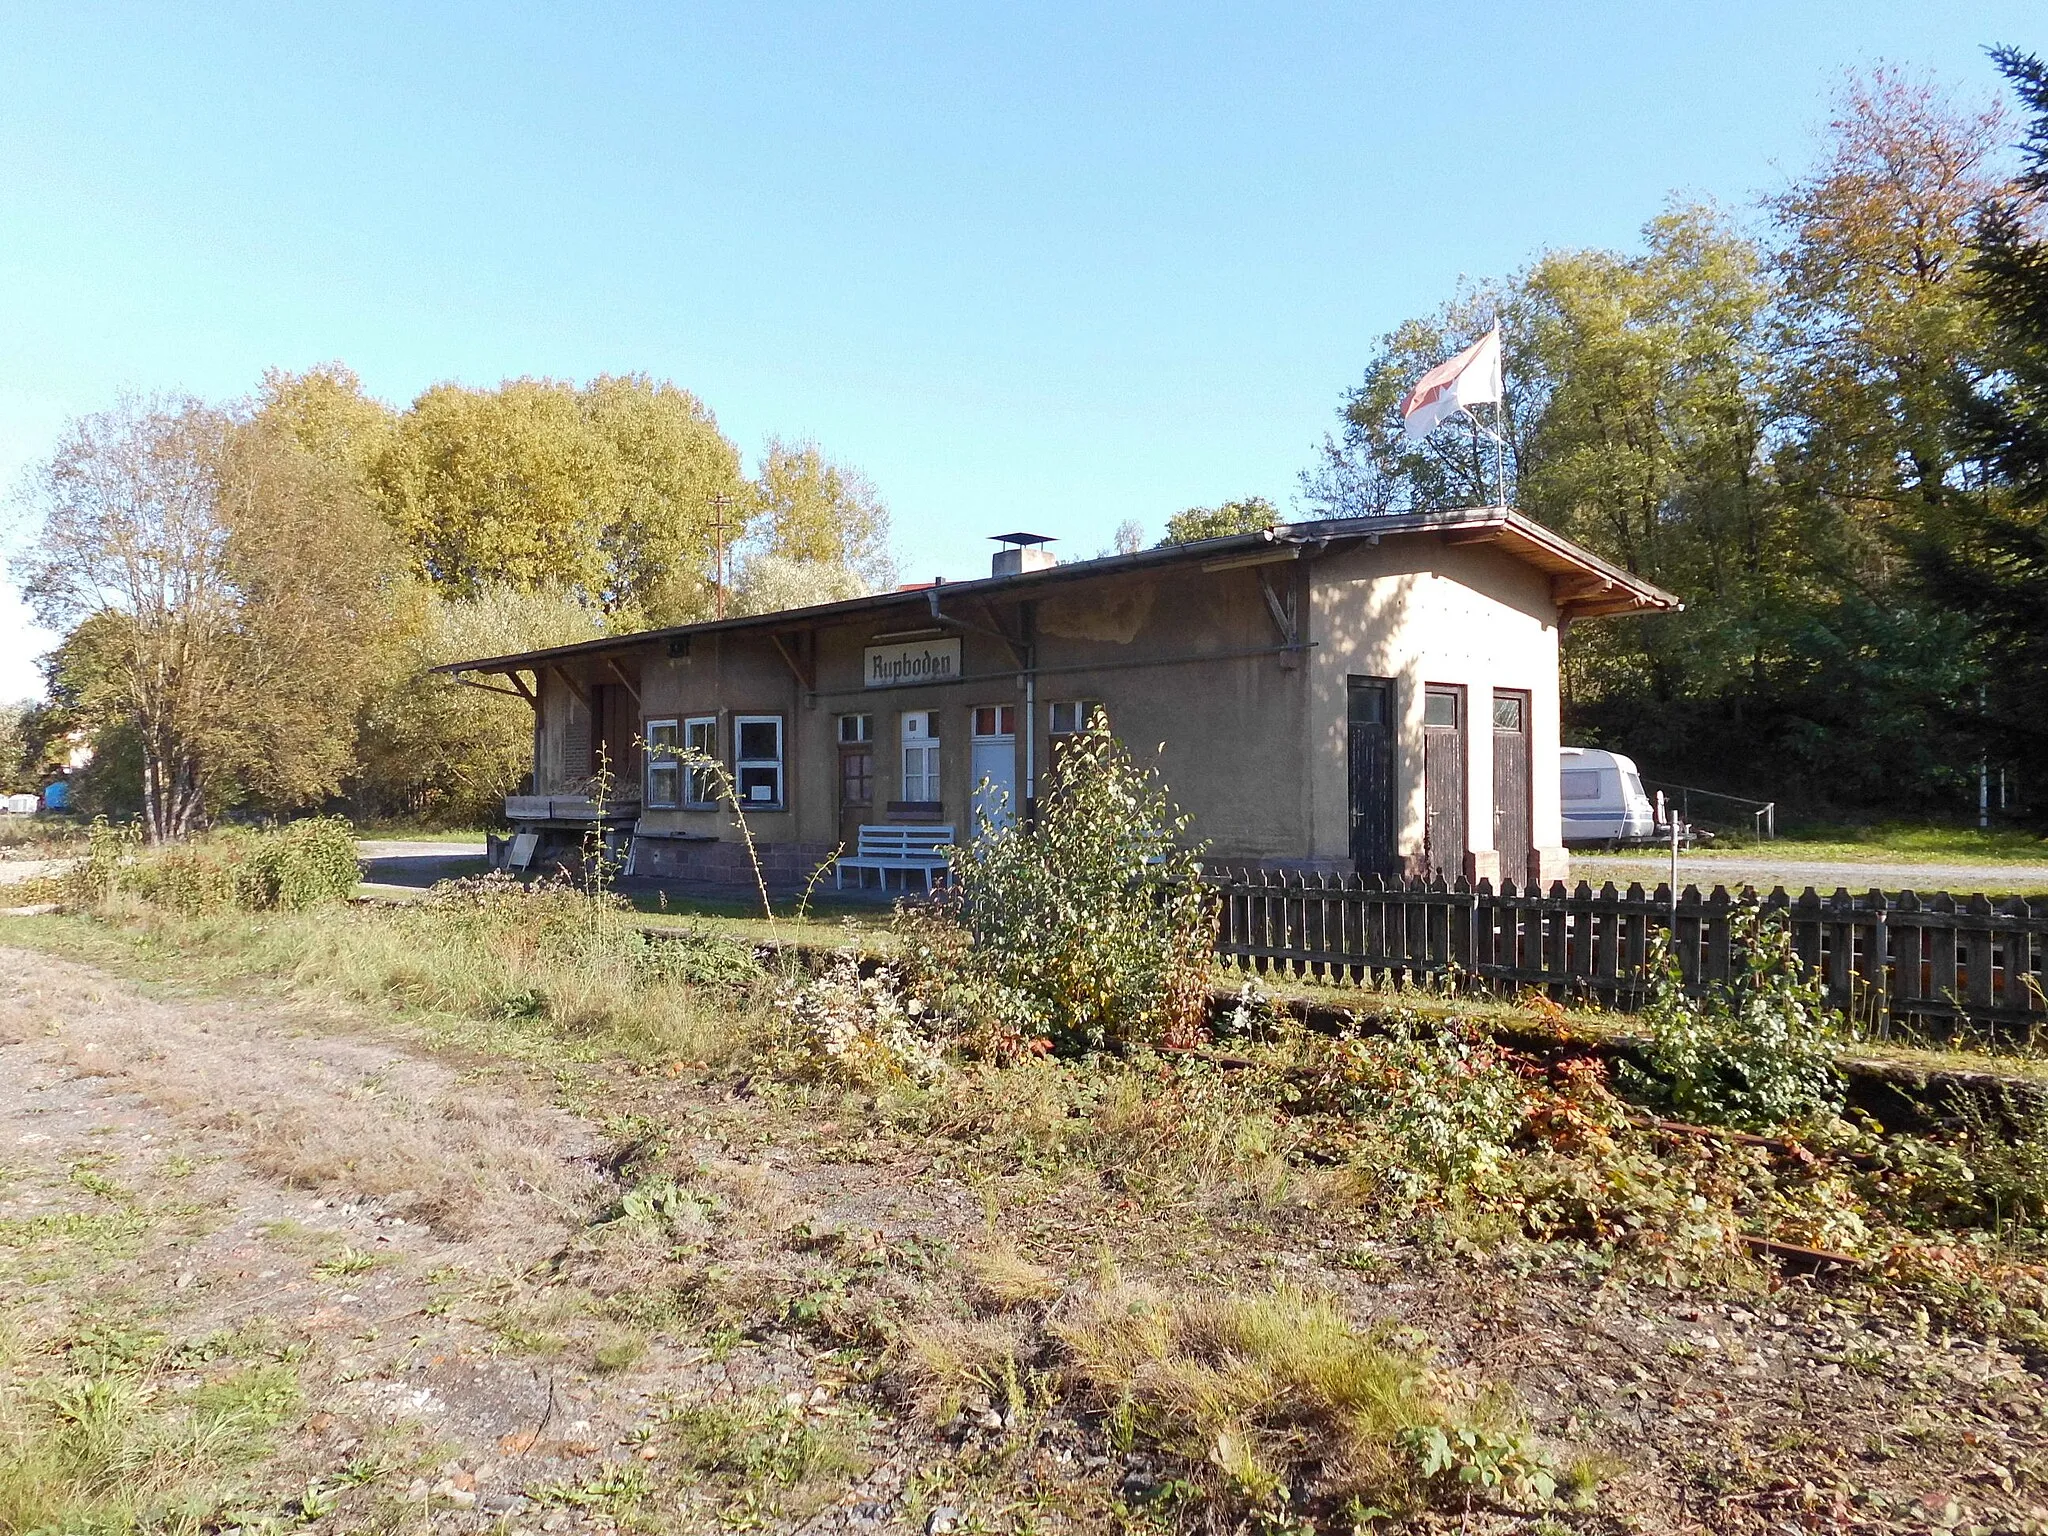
(1016, 651)
(1287, 602)
(1282, 610)
(517, 692)
(576, 693)
(806, 677)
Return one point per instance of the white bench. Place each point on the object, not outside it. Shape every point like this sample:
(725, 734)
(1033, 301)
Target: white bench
(900, 848)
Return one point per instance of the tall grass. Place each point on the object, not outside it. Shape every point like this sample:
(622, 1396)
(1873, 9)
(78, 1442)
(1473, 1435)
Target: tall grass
(524, 970)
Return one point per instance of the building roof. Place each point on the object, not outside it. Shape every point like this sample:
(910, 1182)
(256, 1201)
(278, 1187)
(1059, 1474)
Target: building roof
(1586, 586)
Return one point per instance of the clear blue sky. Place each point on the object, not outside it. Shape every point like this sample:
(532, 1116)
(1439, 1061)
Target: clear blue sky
(1045, 267)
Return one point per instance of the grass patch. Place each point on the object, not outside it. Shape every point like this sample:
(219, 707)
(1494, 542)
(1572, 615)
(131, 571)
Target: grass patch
(100, 1437)
(1899, 842)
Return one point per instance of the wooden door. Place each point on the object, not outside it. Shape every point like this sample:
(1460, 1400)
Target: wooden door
(615, 737)
(1513, 834)
(856, 775)
(1443, 780)
(1371, 722)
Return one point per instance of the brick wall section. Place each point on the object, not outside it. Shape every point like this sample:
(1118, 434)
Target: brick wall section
(721, 868)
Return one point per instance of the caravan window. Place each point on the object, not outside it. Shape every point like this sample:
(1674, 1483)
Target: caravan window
(1581, 785)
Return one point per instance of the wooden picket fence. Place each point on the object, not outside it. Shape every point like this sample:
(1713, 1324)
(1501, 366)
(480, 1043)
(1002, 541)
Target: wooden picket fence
(1936, 964)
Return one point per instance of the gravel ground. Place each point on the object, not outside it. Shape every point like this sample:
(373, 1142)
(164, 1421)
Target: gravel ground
(398, 861)
(1765, 871)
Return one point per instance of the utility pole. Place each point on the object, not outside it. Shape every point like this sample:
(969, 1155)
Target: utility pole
(719, 502)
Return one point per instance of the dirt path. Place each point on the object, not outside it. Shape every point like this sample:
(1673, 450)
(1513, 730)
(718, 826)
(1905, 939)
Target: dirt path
(246, 1182)
(667, 1308)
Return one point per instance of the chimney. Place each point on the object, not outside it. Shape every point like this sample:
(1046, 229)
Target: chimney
(1021, 552)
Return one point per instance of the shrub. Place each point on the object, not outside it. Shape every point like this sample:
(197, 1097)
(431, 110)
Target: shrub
(295, 867)
(301, 864)
(1755, 1051)
(1089, 927)
(1438, 1107)
(857, 1030)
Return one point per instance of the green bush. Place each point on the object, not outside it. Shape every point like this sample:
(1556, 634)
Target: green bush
(302, 864)
(1089, 928)
(1436, 1106)
(1755, 1051)
(293, 868)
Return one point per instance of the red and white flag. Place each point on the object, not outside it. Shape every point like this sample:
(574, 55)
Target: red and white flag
(1470, 378)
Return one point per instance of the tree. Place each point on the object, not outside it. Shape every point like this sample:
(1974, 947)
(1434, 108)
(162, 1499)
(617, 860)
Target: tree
(312, 568)
(812, 509)
(1371, 468)
(442, 750)
(325, 412)
(17, 776)
(608, 491)
(222, 589)
(1994, 567)
(1878, 328)
(772, 583)
(1247, 514)
(130, 537)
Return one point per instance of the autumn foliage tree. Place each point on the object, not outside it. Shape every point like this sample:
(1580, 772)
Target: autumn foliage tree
(231, 589)
(1761, 416)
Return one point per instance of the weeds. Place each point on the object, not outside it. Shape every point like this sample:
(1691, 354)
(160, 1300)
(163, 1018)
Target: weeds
(1088, 927)
(293, 868)
(1756, 1051)
(110, 1443)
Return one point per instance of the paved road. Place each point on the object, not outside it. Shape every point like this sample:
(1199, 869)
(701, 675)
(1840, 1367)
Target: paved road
(400, 861)
(1795, 874)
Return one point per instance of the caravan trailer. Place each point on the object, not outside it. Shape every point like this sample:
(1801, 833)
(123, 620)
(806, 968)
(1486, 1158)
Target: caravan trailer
(1603, 799)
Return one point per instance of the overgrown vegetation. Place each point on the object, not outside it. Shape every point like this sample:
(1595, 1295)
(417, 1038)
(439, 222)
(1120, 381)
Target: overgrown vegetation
(1414, 1140)
(292, 868)
(1087, 928)
(1754, 1051)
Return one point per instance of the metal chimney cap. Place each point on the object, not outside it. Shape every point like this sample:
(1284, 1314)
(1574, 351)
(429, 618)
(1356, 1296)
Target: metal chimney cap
(1021, 539)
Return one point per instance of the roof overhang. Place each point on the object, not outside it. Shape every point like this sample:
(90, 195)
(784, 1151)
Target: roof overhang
(1582, 583)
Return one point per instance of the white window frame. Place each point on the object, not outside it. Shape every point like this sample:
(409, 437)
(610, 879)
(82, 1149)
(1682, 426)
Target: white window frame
(700, 787)
(998, 734)
(661, 758)
(1082, 711)
(742, 767)
(919, 738)
(856, 730)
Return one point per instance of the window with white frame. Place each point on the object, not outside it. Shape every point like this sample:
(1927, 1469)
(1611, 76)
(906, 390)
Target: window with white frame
(1070, 717)
(700, 783)
(995, 720)
(757, 761)
(921, 758)
(664, 773)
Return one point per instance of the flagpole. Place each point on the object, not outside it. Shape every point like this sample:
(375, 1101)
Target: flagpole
(1500, 418)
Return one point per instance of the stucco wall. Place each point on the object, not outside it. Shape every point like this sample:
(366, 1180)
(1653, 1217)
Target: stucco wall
(1251, 743)
(1424, 612)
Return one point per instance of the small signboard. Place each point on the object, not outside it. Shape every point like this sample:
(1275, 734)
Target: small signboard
(917, 661)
